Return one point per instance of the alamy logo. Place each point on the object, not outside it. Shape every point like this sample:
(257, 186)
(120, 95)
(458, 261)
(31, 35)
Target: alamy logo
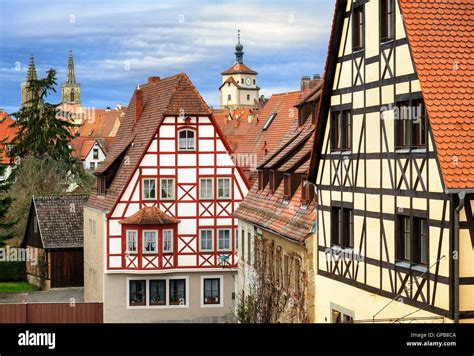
(37, 339)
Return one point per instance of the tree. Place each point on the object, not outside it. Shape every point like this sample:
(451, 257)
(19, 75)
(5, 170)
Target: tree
(42, 132)
(6, 223)
(41, 176)
(275, 294)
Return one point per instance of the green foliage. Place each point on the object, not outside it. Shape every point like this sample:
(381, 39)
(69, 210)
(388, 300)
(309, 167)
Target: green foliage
(246, 309)
(6, 223)
(42, 132)
(17, 287)
(12, 271)
(42, 176)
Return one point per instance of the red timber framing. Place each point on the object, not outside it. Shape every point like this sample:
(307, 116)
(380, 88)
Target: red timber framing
(163, 159)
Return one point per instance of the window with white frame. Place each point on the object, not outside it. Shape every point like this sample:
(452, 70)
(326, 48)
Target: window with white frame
(132, 241)
(187, 140)
(212, 291)
(167, 241)
(206, 240)
(149, 188)
(206, 188)
(137, 292)
(223, 188)
(158, 292)
(167, 188)
(224, 239)
(149, 242)
(177, 292)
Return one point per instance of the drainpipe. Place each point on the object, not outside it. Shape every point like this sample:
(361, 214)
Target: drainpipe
(461, 196)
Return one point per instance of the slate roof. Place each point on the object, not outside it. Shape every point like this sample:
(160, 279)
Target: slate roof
(269, 210)
(441, 38)
(150, 215)
(60, 220)
(167, 96)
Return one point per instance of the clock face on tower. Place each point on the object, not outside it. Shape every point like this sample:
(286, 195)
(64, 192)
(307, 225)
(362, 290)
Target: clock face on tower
(248, 81)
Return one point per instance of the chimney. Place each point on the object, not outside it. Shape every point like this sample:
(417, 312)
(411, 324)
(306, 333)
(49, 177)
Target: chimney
(138, 103)
(315, 81)
(152, 80)
(305, 80)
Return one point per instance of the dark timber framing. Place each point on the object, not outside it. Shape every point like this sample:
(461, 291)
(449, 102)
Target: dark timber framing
(404, 177)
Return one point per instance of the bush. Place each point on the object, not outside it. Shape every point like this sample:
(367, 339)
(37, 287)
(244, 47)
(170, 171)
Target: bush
(12, 271)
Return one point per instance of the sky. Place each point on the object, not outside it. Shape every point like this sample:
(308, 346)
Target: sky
(119, 44)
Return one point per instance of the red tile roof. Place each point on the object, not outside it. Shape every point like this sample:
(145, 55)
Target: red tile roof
(258, 143)
(168, 96)
(239, 68)
(82, 145)
(102, 123)
(234, 124)
(7, 135)
(150, 215)
(271, 211)
(441, 38)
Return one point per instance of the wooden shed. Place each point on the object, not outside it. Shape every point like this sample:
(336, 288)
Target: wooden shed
(54, 236)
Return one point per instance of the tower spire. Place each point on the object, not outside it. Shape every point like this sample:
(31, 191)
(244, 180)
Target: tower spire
(31, 74)
(239, 50)
(71, 76)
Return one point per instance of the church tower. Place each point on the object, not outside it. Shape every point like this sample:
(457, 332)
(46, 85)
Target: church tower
(239, 83)
(30, 75)
(70, 90)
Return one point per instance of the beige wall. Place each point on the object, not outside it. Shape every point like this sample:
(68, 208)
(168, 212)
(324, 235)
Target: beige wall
(116, 308)
(94, 254)
(363, 305)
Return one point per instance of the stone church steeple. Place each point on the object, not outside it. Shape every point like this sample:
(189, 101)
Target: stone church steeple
(70, 90)
(30, 75)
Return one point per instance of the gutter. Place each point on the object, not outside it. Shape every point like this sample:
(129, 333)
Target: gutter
(461, 196)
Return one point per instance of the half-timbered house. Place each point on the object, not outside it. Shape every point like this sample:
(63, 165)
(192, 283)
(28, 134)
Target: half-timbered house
(159, 231)
(277, 222)
(393, 164)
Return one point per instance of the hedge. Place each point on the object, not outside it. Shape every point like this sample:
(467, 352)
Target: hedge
(12, 271)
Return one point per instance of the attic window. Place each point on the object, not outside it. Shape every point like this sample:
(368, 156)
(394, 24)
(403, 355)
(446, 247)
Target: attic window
(269, 121)
(186, 140)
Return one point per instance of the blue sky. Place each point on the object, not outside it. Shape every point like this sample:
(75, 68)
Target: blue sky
(118, 44)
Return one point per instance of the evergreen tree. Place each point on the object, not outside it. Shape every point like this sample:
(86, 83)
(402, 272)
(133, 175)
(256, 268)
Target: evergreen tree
(42, 132)
(6, 201)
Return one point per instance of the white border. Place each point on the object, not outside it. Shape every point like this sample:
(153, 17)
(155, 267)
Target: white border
(143, 189)
(147, 286)
(156, 243)
(221, 291)
(212, 240)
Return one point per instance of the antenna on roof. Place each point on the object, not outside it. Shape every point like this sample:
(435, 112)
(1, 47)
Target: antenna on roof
(138, 86)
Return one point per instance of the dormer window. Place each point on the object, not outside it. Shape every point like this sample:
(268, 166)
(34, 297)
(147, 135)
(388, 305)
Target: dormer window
(187, 140)
(101, 185)
(260, 180)
(272, 181)
(287, 187)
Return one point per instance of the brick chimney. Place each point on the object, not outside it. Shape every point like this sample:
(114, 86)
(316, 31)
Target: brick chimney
(152, 80)
(138, 103)
(305, 82)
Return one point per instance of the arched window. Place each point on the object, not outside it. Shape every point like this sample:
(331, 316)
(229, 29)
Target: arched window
(187, 140)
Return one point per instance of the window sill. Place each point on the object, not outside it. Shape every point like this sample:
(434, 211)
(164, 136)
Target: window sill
(150, 253)
(344, 152)
(410, 150)
(131, 253)
(385, 41)
(168, 253)
(166, 199)
(411, 266)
